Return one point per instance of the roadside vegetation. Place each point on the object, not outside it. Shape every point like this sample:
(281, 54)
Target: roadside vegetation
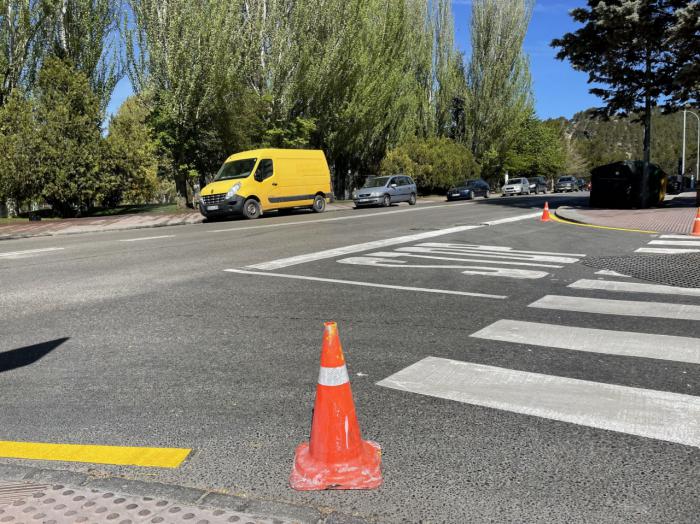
(378, 85)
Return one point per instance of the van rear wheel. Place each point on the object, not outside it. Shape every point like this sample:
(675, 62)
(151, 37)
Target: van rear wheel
(319, 205)
(251, 208)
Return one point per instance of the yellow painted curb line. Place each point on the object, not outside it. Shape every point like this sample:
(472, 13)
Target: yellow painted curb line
(117, 455)
(555, 218)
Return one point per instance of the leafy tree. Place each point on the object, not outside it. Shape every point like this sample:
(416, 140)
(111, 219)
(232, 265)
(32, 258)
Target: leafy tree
(685, 42)
(130, 164)
(624, 46)
(499, 93)
(18, 181)
(68, 138)
(538, 150)
(435, 163)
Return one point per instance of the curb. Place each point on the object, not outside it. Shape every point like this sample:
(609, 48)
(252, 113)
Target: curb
(181, 494)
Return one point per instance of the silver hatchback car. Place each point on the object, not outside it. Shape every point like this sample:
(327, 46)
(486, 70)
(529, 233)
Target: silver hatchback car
(386, 190)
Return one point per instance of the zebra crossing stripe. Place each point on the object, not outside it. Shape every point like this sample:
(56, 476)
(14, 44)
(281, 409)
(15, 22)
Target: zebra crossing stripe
(681, 237)
(619, 307)
(661, 415)
(624, 343)
(665, 250)
(691, 243)
(635, 287)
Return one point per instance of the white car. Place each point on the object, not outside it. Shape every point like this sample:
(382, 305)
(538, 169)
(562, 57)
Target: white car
(516, 186)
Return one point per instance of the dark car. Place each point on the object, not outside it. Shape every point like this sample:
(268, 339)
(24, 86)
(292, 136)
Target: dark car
(582, 184)
(537, 184)
(469, 189)
(619, 185)
(566, 183)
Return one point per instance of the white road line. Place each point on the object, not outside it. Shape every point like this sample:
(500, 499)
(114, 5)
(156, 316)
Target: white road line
(665, 251)
(405, 252)
(635, 287)
(376, 244)
(661, 415)
(29, 252)
(619, 307)
(610, 273)
(504, 272)
(511, 219)
(687, 243)
(367, 284)
(625, 343)
(355, 248)
(476, 251)
(337, 219)
(497, 249)
(682, 237)
(145, 238)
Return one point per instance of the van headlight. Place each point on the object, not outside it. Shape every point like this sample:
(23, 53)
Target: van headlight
(234, 189)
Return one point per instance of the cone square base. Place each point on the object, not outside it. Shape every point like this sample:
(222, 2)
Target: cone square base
(362, 472)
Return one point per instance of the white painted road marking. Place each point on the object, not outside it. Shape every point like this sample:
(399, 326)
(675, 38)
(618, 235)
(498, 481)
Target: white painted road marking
(376, 244)
(661, 415)
(336, 219)
(405, 252)
(665, 251)
(489, 252)
(635, 287)
(687, 242)
(10, 254)
(355, 248)
(465, 269)
(511, 219)
(504, 250)
(610, 273)
(625, 343)
(367, 284)
(619, 307)
(681, 237)
(145, 238)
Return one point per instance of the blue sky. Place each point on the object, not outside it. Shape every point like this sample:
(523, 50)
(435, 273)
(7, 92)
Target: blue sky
(559, 90)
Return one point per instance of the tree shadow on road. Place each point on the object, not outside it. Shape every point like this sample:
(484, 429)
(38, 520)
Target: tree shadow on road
(20, 357)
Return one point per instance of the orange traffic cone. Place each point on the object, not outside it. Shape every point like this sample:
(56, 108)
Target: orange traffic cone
(545, 213)
(336, 457)
(696, 225)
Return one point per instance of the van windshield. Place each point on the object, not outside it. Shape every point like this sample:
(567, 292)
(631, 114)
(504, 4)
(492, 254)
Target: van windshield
(379, 181)
(236, 169)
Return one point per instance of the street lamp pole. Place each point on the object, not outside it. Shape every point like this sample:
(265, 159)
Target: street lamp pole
(694, 178)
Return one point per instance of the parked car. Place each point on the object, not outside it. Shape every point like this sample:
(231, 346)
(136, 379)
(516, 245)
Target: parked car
(537, 184)
(582, 184)
(254, 182)
(619, 185)
(566, 184)
(468, 190)
(516, 186)
(386, 190)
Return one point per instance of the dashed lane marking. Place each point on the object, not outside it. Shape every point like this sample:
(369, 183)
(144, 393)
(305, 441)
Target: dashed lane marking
(619, 307)
(145, 238)
(366, 284)
(94, 454)
(10, 254)
(661, 415)
(635, 287)
(624, 343)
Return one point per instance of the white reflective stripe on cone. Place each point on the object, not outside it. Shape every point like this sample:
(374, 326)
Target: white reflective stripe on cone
(333, 376)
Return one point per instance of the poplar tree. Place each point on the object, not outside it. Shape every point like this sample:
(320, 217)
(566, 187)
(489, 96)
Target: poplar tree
(499, 91)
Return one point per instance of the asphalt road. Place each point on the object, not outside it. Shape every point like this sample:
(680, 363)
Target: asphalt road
(141, 338)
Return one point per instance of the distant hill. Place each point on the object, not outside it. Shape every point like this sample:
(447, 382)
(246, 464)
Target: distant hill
(594, 141)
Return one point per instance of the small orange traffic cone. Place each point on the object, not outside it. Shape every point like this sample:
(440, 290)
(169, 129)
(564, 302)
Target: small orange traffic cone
(696, 225)
(336, 457)
(545, 213)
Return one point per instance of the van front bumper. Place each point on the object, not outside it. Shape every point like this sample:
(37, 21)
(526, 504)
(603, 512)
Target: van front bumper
(233, 206)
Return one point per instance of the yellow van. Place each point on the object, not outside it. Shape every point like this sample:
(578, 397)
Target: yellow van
(253, 182)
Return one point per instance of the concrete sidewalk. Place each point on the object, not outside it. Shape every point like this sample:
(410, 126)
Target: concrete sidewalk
(677, 216)
(70, 226)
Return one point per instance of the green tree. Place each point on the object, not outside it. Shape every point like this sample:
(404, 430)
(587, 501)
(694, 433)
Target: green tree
(538, 150)
(685, 42)
(68, 138)
(130, 163)
(499, 92)
(624, 46)
(18, 159)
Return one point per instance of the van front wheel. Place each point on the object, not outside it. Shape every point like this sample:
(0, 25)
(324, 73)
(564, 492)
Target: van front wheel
(251, 208)
(319, 205)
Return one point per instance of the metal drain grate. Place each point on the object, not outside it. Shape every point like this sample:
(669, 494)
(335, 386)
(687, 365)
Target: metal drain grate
(682, 270)
(62, 504)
